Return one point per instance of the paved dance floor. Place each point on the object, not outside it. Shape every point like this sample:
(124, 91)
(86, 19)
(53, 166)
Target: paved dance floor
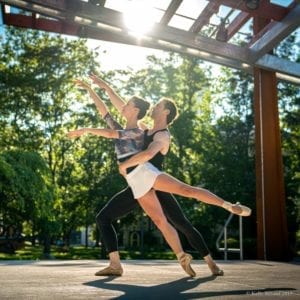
(148, 279)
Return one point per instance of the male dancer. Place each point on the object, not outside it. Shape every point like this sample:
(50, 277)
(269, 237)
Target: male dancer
(146, 176)
(123, 203)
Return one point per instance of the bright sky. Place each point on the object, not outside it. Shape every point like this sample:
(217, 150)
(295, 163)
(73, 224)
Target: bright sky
(120, 56)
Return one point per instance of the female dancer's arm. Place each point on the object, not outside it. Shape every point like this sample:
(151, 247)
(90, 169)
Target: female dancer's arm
(115, 99)
(107, 133)
(101, 107)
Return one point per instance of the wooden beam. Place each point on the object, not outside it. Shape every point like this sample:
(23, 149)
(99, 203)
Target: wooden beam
(173, 35)
(60, 4)
(266, 9)
(97, 2)
(162, 37)
(272, 237)
(159, 32)
(102, 2)
(272, 234)
(274, 63)
(48, 8)
(268, 62)
(277, 33)
(211, 8)
(241, 19)
(202, 43)
(107, 34)
(170, 34)
(56, 26)
(258, 35)
(171, 10)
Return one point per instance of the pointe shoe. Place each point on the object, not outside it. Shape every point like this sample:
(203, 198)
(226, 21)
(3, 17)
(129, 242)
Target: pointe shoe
(109, 271)
(237, 209)
(216, 271)
(185, 262)
(245, 211)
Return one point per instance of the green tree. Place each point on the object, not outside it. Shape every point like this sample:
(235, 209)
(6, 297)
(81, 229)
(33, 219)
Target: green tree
(39, 103)
(26, 193)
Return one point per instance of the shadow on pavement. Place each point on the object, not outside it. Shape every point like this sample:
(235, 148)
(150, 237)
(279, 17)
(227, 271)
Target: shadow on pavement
(178, 289)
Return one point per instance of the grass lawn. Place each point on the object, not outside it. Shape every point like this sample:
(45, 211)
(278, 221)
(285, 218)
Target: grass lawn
(78, 252)
(33, 253)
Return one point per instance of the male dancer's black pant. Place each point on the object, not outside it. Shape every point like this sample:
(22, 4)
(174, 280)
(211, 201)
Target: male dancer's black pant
(123, 202)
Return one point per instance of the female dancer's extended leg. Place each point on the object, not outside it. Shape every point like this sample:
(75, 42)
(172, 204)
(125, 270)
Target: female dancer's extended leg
(167, 183)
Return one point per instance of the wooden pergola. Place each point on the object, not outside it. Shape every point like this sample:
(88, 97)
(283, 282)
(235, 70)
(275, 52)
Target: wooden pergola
(213, 38)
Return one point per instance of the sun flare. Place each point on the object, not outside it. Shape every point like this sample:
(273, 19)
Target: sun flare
(139, 17)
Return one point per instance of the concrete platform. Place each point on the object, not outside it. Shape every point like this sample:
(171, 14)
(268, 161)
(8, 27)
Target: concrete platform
(148, 279)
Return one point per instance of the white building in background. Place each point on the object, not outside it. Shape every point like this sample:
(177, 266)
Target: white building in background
(79, 237)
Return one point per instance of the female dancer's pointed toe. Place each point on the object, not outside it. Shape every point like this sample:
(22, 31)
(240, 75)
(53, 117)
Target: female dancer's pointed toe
(241, 210)
(237, 209)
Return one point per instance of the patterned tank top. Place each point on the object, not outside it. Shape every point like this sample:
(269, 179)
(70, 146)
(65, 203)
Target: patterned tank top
(130, 141)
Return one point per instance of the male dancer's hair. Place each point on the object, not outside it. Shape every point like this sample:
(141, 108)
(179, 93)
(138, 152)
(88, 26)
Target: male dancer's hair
(142, 105)
(171, 106)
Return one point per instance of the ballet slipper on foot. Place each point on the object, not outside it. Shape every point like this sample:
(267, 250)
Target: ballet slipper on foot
(109, 271)
(185, 262)
(237, 209)
(216, 271)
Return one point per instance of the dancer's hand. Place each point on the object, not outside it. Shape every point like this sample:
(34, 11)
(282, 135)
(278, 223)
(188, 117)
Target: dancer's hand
(100, 82)
(75, 133)
(122, 170)
(82, 84)
(142, 125)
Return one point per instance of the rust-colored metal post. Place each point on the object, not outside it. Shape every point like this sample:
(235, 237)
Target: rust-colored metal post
(272, 234)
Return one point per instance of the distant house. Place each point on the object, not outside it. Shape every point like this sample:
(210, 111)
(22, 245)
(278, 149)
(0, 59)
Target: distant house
(134, 236)
(140, 234)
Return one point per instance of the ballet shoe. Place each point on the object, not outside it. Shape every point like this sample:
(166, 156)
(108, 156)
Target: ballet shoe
(185, 262)
(109, 271)
(215, 270)
(244, 210)
(237, 209)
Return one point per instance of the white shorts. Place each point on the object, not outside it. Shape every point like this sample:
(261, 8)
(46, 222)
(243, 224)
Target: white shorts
(142, 178)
